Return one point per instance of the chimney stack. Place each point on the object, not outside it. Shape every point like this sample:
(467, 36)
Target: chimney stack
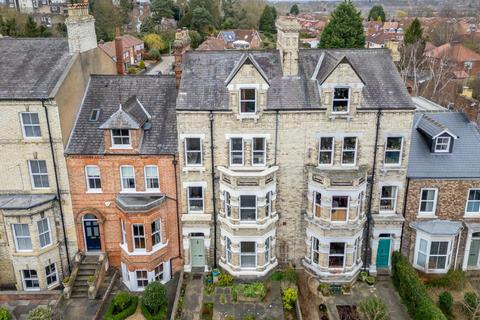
(180, 46)
(80, 28)
(119, 51)
(287, 43)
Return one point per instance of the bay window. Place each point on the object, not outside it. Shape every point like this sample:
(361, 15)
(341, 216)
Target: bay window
(51, 274)
(30, 280)
(156, 232)
(433, 255)
(248, 208)
(159, 272)
(142, 278)
(268, 204)
(227, 204)
(248, 254)
(44, 234)
(228, 250)
(268, 249)
(339, 211)
(21, 233)
(317, 204)
(315, 250)
(336, 257)
(138, 236)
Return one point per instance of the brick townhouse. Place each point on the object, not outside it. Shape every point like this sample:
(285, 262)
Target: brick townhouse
(41, 88)
(442, 212)
(292, 155)
(122, 165)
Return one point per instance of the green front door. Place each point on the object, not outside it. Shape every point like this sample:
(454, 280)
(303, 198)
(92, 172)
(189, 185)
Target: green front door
(383, 253)
(473, 255)
(197, 250)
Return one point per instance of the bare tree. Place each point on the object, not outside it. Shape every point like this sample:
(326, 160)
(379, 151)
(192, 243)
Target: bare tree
(441, 74)
(443, 33)
(411, 63)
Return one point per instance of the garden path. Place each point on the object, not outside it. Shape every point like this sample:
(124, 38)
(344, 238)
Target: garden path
(193, 298)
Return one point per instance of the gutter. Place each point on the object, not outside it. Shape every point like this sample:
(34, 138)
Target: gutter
(213, 193)
(366, 263)
(62, 219)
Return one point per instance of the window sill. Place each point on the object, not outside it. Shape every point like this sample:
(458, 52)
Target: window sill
(472, 215)
(94, 191)
(193, 168)
(426, 216)
(121, 148)
(334, 116)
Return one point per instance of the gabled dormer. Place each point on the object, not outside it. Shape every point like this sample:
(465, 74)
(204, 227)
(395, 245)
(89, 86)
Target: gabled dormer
(247, 86)
(124, 129)
(437, 136)
(340, 85)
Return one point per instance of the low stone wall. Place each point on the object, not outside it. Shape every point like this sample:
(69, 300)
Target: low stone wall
(27, 295)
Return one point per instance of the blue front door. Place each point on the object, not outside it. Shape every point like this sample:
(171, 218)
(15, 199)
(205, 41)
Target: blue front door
(92, 235)
(383, 253)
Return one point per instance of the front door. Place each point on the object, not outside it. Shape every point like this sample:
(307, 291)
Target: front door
(383, 253)
(473, 255)
(92, 234)
(197, 251)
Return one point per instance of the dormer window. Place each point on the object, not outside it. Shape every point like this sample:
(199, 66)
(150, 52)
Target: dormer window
(442, 144)
(341, 100)
(121, 138)
(248, 101)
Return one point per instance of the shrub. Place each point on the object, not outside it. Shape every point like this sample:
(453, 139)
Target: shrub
(225, 280)
(161, 314)
(289, 297)
(373, 308)
(370, 280)
(253, 290)
(291, 275)
(445, 302)
(132, 70)
(40, 313)
(412, 291)
(4, 314)
(470, 303)
(324, 288)
(277, 276)
(121, 301)
(249, 317)
(454, 279)
(113, 314)
(363, 275)
(155, 297)
(154, 54)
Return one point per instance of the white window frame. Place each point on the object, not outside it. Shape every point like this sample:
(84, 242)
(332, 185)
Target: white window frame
(195, 151)
(247, 208)
(263, 151)
(447, 144)
(25, 279)
(51, 274)
(48, 231)
(138, 279)
(121, 146)
(227, 203)
(134, 237)
(147, 188)
(228, 250)
(38, 174)
(16, 237)
(124, 189)
(240, 101)
(248, 254)
(159, 275)
(124, 232)
(344, 255)
(268, 204)
(394, 199)
(347, 209)
(475, 201)
(429, 239)
(236, 151)
(316, 205)
(88, 177)
(23, 125)
(157, 232)
(350, 150)
(348, 100)
(315, 250)
(202, 198)
(434, 208)
(268, 249)
(400, 152)
(331, 151)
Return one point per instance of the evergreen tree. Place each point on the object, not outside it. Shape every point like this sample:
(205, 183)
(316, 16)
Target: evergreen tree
(345, 29)
(413, 33)
(31, 29)
(377, 13)
(162, 9)
(294, 10)
(267, 20)
(125, 10)
(202, 20)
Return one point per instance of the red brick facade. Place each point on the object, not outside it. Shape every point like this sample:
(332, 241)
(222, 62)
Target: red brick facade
(109, 214)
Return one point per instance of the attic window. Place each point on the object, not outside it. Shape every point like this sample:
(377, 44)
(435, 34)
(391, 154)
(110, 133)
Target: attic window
(248, 101)
(442, 144)
(94, 115)
(341, 100)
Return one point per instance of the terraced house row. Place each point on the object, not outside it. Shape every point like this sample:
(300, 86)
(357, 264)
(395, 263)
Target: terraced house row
(243, 160)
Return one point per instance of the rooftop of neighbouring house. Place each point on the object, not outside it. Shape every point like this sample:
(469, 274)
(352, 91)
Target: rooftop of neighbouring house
(462, 162)
(127, 102)
(423, 104)
(128, 41)
(204, 74)
(238, 34)
(32, 67)
(453, 52)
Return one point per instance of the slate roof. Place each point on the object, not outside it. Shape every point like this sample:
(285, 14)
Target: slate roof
(204, 73)
(32, 67)
(24, 201)
(430, 127)
(437, 227)
(463, 162)
(157, 96)
(120, 120)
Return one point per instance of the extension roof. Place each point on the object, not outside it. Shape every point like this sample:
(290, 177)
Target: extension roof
(145, 99)
(204, 75)
(462, 162)
(32, 67)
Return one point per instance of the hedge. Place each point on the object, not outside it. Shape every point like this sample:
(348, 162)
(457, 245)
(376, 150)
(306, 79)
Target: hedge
(412, 291)
(161, 315)
(125, 313)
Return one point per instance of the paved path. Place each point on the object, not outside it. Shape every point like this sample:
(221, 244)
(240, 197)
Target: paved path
(164, 66)
(192, 305)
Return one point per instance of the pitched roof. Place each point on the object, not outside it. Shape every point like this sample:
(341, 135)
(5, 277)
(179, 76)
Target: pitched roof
(432, 128)
(438, 227)
(461, 163)
(229, 36)
(24, 201)
(128, 41)
(32, 67)
(204, 73)
(246, 59)
(453, 52)
(120, 120)
(155, 94)
(212, 43)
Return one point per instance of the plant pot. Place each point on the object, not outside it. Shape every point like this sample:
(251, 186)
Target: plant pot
(370, 280)
(215, 274)
(363, 275)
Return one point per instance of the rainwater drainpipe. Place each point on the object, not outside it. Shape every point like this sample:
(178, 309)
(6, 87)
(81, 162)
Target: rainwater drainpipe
(405, 197)
(213, 192)
(458, 246)
(175, 162)
(57, 185)
(366, 263)
(276, 136)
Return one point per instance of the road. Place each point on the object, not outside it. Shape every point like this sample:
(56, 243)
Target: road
(164, 66)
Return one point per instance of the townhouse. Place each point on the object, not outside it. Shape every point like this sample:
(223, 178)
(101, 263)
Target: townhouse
(294, 156)
(122, 165)
(40, 91)
(442, 212)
